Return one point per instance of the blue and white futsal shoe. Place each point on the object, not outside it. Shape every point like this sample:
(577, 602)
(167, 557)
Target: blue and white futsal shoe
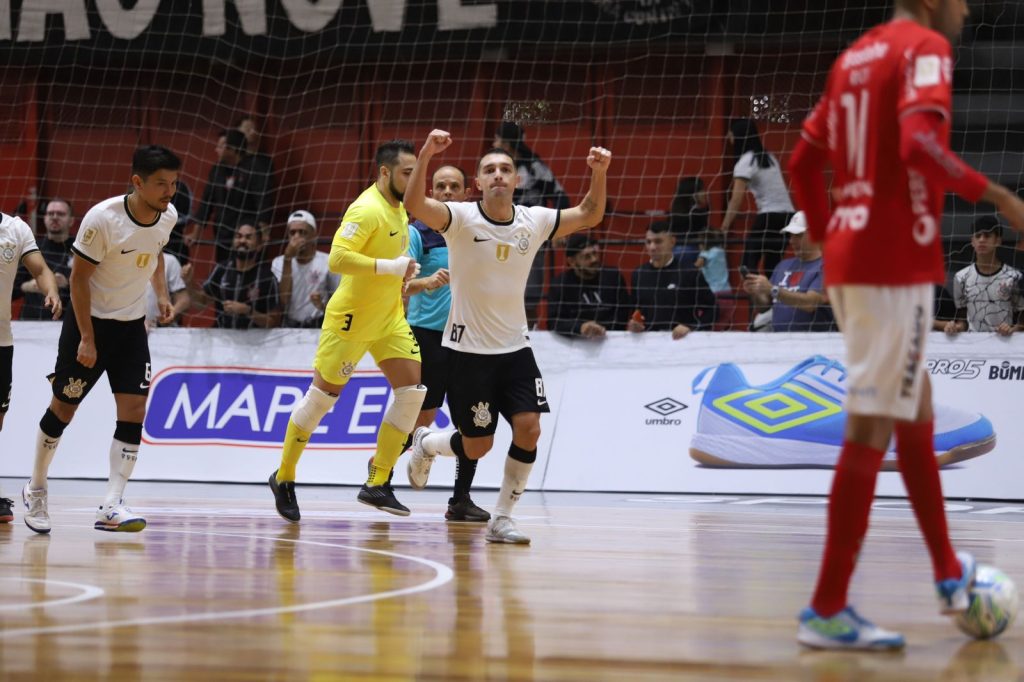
(845, 630)
(954, 595)
(797, 421)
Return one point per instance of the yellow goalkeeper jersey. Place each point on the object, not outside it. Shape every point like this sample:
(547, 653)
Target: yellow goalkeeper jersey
(367, 307)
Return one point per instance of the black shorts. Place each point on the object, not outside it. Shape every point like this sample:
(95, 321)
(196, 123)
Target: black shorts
(122, 351)
(6, 376)
(482, 386)
(435, 366)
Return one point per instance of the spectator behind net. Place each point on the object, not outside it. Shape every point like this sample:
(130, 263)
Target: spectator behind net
(589, 298)
(760, 172)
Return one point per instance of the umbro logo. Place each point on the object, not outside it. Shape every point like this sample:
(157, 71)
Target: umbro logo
(123, 251)
(481, 239)
(666, 406)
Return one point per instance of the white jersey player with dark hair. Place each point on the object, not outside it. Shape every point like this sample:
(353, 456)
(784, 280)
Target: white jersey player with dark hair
(491, 246)
(18, 245)
(117, 253)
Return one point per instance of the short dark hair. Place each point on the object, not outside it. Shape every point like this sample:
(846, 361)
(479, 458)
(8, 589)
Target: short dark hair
(71, 210)
(660, 227)
(987, 223)
(510, 132)
(252, 222)
(235, 139)
(152, 158)
(496, 150)
(465, 178)
(387, 154)
(579, 241)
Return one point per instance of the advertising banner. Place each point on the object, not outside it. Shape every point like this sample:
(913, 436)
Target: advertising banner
(722, 413)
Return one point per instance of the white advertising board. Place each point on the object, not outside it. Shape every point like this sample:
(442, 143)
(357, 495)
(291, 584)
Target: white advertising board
(625, 411)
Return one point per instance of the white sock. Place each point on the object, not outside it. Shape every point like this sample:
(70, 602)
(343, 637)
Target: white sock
(46, 448)
(512, 485)
(122, 462)
(439, 443)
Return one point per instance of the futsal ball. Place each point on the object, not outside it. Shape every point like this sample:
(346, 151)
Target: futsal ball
(993, 604)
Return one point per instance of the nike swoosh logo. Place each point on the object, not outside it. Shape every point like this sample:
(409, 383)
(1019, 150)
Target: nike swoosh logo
(484, 239)
(129, 251)
(143, 385)
(541, 402)
(302, 440)
(392, 234)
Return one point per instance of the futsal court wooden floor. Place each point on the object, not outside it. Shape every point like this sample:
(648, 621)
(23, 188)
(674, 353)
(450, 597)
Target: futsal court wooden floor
(614, 587)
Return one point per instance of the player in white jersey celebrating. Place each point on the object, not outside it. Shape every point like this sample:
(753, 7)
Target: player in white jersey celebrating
(491, 246)
(117, 252)
(18, 245)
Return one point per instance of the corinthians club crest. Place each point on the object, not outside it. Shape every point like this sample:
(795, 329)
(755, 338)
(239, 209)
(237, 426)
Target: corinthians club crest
(521, 240)
(481, 415)
(7, 253)
(75, 388)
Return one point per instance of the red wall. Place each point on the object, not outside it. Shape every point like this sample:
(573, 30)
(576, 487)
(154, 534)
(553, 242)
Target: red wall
(71, 133)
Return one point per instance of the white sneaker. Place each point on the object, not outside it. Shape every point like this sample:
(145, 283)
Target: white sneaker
(420, 461)
(503, 529)
(118, 518)
(36, 516)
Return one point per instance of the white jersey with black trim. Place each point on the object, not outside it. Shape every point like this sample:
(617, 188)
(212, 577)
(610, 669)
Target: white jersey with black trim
(489, 262)
(16, 240)
(125, 253)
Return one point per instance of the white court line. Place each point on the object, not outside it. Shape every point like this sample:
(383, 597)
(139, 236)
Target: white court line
(88, 592)
(443, 575)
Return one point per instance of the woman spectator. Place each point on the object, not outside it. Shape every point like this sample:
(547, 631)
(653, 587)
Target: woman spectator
(760, 172)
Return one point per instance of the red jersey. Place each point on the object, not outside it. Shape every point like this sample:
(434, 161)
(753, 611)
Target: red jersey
(885, 227)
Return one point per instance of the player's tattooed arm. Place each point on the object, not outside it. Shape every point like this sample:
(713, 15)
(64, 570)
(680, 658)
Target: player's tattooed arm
(590, 211)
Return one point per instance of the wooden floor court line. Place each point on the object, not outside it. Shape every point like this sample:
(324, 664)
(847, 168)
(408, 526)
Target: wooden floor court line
(612, 588)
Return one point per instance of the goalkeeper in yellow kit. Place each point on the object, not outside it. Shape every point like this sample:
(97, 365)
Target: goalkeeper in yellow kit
(364, 314)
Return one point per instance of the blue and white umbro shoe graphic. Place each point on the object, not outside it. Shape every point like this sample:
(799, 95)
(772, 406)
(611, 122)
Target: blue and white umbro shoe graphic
(797, 421)
(845, 630)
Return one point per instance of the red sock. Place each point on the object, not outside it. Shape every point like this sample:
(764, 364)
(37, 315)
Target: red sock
(916, 452)
(853, 490)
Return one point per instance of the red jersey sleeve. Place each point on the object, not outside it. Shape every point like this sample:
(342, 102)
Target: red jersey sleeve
(927, 83)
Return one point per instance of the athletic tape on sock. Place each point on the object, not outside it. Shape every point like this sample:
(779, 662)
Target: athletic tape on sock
(405, 408)
(51, 425)
(521, 455)
(128, 432)
(312, 408)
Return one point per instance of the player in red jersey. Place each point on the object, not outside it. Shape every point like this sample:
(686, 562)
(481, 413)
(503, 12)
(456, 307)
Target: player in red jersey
(883, 125)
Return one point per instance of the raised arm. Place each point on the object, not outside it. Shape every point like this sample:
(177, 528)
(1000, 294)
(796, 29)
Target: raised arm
(430, 212)
(590, 211)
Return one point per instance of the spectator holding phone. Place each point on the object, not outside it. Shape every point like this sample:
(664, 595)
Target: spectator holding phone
(795, 291)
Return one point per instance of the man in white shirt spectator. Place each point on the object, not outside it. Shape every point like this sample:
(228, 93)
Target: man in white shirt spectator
(305, 283)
